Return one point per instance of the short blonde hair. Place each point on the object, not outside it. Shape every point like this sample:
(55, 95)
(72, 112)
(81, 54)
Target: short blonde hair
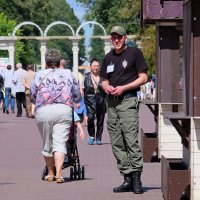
(19, 65)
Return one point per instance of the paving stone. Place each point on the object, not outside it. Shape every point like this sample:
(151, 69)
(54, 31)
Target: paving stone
(22, 162)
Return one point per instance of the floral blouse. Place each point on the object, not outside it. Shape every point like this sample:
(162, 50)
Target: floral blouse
(52, 86)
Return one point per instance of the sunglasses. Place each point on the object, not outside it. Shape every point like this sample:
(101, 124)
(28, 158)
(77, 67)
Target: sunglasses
(118, 37)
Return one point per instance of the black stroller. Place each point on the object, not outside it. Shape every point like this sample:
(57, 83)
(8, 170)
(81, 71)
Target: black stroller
(72, 158)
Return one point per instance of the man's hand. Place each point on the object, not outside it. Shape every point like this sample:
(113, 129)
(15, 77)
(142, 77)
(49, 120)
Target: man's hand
(118, 91)
(109, 89)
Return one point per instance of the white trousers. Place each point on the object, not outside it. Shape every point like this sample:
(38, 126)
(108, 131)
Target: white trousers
(54, 123)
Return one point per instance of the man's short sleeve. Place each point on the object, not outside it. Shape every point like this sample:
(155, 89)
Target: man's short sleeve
(140, 62)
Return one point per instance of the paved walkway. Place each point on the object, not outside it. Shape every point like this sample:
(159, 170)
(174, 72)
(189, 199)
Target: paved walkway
(21, 164)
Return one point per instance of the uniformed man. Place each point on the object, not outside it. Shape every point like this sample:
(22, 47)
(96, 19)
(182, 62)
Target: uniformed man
(123, 71)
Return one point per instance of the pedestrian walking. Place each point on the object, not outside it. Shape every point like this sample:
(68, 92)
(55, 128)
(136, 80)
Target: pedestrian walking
(2, 93)
(27, 80)
(82, 111)
(63, 64)
(20, 89)
(95, 101)
(8, 84)
(123, 71)
(53, 92)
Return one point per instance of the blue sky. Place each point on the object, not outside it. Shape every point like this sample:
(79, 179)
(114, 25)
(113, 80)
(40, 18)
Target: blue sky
(78, 9)
(79, 12)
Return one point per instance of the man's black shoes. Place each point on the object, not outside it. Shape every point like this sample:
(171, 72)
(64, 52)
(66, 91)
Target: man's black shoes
(132, 182)
(126, 186)
(137, 184)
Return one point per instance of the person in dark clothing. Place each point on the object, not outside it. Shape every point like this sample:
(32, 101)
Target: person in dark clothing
(20, 89)
(95, 101)
(123, 71)
(1, 93)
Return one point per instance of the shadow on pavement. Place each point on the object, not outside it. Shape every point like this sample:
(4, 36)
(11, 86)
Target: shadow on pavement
(145, 189)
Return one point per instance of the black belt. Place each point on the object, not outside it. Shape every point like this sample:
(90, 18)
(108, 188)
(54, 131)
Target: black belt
(121, 97)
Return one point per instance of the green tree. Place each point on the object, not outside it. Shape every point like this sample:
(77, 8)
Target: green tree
(97, 45)
(116, 12)
(42, 12)
(6, 27)
(149, 47)
(66, 14)
(127, 14)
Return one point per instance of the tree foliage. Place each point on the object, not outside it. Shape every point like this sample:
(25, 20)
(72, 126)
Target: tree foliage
(42, 12)
(127, 14)
(149, 47)
(97, 46)
(121, 12)
(6, 27)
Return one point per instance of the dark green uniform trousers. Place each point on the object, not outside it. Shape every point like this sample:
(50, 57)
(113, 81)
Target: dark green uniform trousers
(123, 122)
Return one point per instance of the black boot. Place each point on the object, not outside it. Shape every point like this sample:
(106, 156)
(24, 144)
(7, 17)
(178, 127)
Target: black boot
(137, 184)
(126, 186)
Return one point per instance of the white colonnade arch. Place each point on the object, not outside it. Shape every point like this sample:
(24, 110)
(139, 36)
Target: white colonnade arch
(106, 38)
(43, 42)
(90, 22)
(75, 48)
(26, 23)
(58, 23)
(8, 42)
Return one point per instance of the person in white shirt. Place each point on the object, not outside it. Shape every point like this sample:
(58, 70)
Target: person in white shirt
(8, 84)
(20, 89)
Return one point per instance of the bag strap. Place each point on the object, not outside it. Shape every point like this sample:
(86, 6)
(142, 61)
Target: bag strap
(44, 78)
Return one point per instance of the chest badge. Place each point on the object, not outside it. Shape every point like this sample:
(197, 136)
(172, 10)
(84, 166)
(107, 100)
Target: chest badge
(124, 63)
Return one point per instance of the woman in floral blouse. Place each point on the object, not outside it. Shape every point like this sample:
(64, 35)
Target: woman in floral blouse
(53, 91)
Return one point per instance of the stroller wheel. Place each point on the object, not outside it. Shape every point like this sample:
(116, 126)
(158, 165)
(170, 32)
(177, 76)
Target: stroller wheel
(71, 173)
(75, 171)
(44, 173)
(79, 173)
(83, 172)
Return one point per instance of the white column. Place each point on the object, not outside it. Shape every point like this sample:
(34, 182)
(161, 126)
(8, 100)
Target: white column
(11, 52)
(8, 43)
(75, 50)
(107, 47)
(42, 51)
(107, 42)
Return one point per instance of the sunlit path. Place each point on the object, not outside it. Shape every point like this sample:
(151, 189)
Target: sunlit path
(21, 164)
